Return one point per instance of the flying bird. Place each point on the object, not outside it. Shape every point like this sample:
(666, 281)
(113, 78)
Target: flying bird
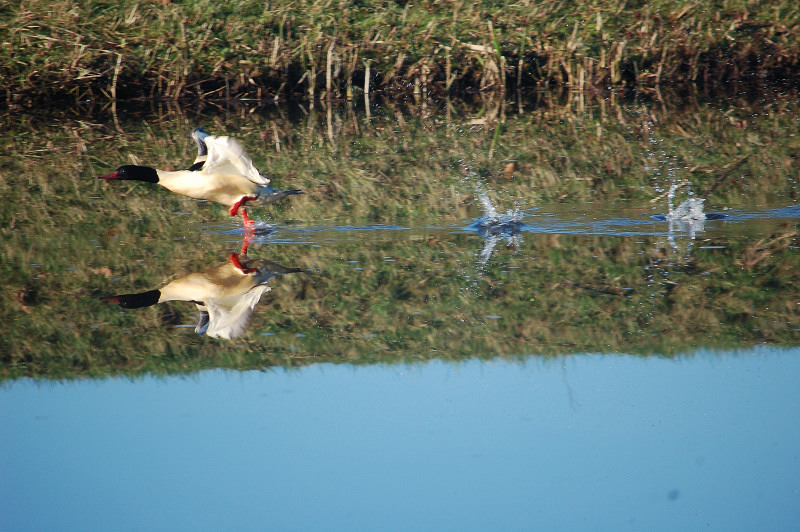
(222, 172)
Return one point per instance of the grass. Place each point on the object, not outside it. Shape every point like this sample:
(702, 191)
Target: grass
(69, 239)
(101, 51)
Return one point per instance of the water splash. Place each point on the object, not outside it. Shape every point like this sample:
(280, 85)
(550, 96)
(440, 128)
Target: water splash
(494, 226)
(490, 214)
(488, 208)
(689, 211)
(689, 217)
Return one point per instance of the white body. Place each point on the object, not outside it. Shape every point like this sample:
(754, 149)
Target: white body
(224, 294)
(227, 176)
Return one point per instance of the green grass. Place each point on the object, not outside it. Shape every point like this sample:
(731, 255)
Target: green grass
(100, 51)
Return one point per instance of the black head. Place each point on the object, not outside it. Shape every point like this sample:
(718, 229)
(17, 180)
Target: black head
(144, 299)
(133, 173)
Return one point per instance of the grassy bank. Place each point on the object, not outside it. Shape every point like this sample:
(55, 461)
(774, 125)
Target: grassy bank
(200, 49)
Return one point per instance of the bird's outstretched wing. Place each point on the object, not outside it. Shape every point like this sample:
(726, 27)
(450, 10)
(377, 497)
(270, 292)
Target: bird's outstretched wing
(199, 135)
(228, 317)
(226, 156)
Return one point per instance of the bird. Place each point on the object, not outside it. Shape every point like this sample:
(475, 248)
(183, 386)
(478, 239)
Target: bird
(225, 295)
(222, 172)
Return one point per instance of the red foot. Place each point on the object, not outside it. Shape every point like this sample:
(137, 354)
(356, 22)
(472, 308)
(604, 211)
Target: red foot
(234, 210)
(234, 258)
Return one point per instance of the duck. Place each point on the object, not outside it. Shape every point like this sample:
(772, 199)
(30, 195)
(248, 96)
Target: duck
(222, 172)
(225, 295)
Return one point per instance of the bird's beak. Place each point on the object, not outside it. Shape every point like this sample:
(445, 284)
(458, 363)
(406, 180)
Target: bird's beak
(112, 299)
(112, 175)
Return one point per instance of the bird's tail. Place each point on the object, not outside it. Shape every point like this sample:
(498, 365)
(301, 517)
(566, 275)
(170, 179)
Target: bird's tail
(276, 195)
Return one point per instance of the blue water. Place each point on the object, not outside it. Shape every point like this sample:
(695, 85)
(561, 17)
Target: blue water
(594, 442)
(584, 219)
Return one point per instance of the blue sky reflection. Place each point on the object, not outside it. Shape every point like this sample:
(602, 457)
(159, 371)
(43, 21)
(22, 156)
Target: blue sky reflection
(584, 442)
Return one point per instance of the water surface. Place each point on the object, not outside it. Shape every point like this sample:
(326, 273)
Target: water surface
(585, 442)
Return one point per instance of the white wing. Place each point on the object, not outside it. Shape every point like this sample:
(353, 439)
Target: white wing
(199, 137)
(202, 319)
(227, 156)
(229, 316)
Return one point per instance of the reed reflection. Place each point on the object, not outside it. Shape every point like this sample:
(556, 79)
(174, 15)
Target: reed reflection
(225, 294)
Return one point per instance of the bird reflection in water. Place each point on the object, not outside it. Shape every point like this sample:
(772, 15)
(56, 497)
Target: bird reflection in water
(225, 295)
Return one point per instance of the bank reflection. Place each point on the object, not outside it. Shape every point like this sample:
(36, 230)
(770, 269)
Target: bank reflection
(225, 295)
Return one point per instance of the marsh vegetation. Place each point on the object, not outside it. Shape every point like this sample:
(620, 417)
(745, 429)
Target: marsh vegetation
(311, 50)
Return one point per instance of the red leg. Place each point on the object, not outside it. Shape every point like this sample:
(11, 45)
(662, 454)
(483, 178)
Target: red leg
(248, 223)
(234, 258)
(249, 231)
(234, 210)
(246, 240)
